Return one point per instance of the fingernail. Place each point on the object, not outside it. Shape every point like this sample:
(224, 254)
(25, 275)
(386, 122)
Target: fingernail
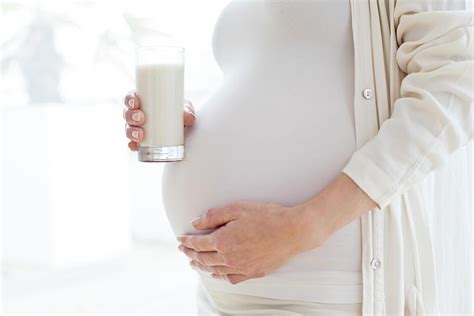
(136, 116)
(136, 134)
(196, 220)
(131, 102)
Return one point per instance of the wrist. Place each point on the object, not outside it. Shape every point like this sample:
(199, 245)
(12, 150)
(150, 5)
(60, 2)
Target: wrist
(339, 203)
(308, 225)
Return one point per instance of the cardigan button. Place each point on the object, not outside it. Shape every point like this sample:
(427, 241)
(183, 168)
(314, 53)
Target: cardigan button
(375, 263)
(367, 93)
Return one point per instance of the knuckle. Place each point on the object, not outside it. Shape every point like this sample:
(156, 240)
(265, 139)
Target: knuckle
(197, 245)
(191, 242)
(191, 253)
(201, 258)
(218, 270)
(229, 261)
(221, 245)
(210, 213)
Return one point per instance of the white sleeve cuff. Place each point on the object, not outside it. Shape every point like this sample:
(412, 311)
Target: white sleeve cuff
(377, 184)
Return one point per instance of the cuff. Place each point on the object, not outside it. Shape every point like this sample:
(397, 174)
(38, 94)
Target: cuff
(374, 181)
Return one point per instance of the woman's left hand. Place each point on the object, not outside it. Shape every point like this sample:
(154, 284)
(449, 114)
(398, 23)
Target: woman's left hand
(255, 239)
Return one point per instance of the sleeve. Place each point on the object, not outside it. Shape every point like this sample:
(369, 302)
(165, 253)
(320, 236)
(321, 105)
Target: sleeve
(433, 116)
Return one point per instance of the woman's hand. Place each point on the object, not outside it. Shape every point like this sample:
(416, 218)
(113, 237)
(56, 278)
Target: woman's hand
(135, 118)
(254, 238)
(257, 238)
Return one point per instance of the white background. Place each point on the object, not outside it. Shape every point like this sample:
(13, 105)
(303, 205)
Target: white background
(83, 228)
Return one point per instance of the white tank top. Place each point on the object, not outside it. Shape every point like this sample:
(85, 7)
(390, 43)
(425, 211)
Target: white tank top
(279, 128)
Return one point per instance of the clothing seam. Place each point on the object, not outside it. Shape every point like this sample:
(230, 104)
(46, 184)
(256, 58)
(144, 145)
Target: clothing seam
(371, 33)
(415, 165)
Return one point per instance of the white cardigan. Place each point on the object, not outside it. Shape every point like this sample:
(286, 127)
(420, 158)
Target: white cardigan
(414, 111)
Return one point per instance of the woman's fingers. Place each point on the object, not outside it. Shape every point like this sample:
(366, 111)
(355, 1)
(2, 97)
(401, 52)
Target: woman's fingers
(137, 117)
(134, 117)
(189, 114)
(189, 118)
(135, 133)
(133, 145)
(132, 101)
(222, 270)
(232, 278)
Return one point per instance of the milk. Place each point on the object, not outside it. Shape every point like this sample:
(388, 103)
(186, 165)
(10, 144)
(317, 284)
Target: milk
(160, 88)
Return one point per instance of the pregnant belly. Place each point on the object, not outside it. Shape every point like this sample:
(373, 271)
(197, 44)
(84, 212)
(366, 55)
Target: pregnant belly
(256, 139)
(260, 141)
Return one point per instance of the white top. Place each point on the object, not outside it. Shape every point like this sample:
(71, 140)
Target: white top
(414, 157)
(280, 127)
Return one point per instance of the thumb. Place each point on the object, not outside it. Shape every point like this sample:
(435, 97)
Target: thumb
(189, 118)
(189, 114)
(214, 218)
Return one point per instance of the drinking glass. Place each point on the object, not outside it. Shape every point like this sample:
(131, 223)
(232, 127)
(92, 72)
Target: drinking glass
(160, 87)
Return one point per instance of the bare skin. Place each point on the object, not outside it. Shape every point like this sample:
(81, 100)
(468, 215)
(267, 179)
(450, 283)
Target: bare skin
(244, 245)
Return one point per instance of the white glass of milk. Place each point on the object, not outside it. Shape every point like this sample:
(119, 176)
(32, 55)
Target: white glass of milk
(160, 88)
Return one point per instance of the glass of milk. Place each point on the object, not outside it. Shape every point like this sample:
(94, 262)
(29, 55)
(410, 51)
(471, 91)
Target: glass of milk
(160, 88)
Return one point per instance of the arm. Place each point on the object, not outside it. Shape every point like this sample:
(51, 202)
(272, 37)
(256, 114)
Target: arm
(434, 115)
(432, 118)
(338, 204)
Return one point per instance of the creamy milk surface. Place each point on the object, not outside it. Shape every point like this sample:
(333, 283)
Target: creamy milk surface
(160, 89)
(279, 127)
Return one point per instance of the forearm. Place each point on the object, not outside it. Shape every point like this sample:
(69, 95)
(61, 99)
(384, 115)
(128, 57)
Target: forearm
(338, 204)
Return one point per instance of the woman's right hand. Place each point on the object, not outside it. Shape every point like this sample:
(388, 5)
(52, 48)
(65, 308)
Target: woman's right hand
(135, 118)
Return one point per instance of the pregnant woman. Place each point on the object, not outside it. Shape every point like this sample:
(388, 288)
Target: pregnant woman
(277, 227)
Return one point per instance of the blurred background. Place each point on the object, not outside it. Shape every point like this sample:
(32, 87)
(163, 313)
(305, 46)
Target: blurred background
(83, 227)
